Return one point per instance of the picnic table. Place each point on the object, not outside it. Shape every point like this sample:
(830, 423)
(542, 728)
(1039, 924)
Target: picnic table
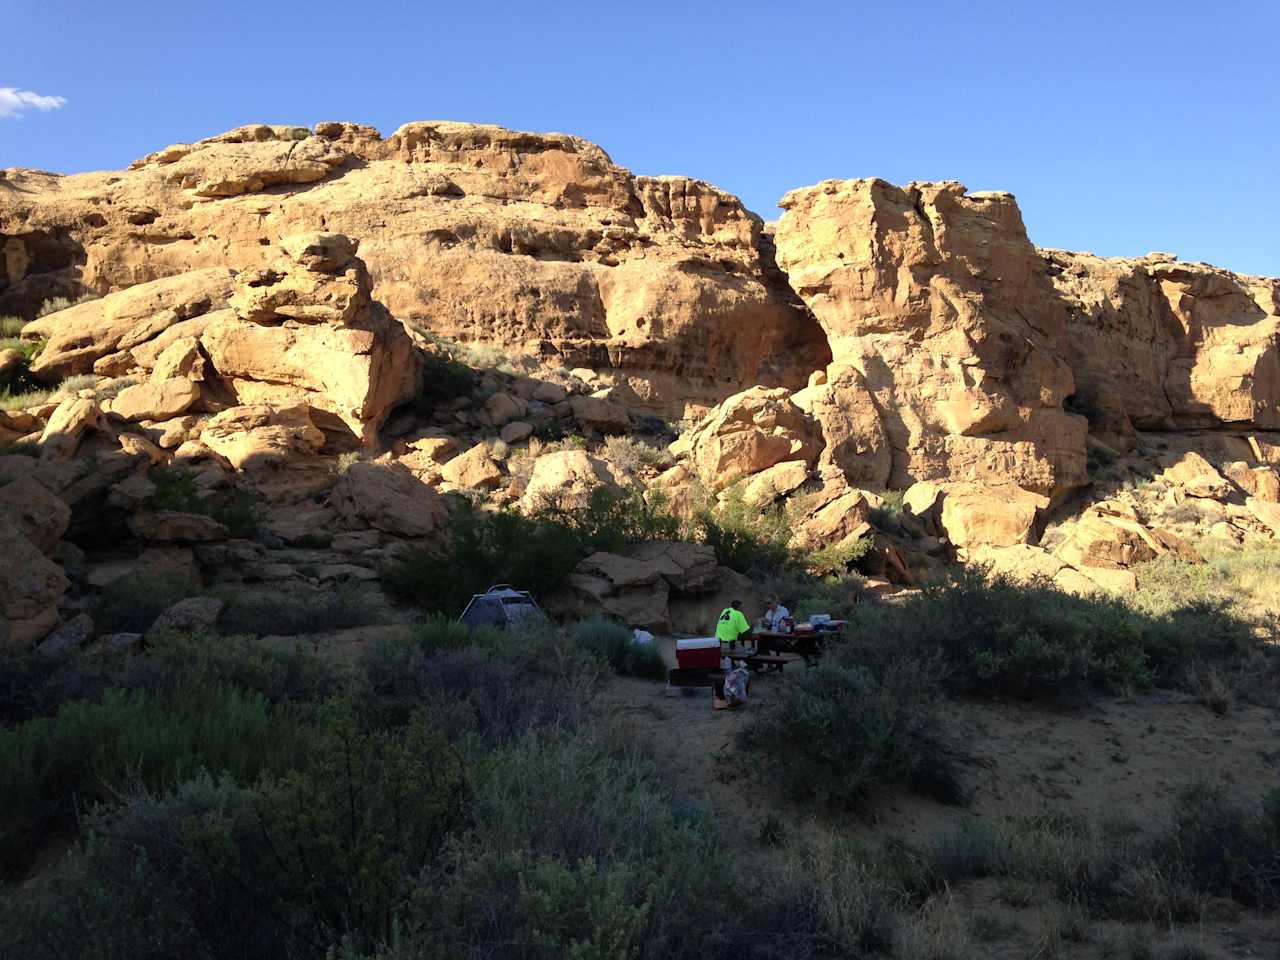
(807, 643)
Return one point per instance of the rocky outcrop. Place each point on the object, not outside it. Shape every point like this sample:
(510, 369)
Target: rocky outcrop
(533, 242)
(31, 583)
(262, 435)
(1158, 344)
(307, 329)
(939, 302)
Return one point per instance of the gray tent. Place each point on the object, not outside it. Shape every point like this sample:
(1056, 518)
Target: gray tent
(501, 606)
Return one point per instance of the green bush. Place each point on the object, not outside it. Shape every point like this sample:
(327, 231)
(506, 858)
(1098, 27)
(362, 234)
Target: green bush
(289, 867)
(131, 603)
(91, 751)
(480, 549)
(834, 733)
(240, 511)
(499, 687)
(615, 644)
(329, 608)
(290, 674)
(577, 853)
(1032, 640)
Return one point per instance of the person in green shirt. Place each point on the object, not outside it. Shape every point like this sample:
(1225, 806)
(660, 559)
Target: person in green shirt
(732, 625)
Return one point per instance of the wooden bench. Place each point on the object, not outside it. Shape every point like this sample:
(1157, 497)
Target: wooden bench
(762, 662)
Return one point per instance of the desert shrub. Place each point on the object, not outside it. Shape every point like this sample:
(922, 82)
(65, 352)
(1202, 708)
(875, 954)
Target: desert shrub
(1223, 847)
(280, 674)
(500, 686)
(74, 384)
(11, 327)
(614, 643)
(33, 685)
(890, 508)
(239, 510)
(330, 608)
(1032, 640)
(478, 549)
(834, 733)
(112, 388)
(481, 548)
(610, 521)
(446, 376)
(749, 539)
(631, 454)
(132, 603)
(91, 751)
(20, 399)
(54, 304)
(581, 853)
(286, 867)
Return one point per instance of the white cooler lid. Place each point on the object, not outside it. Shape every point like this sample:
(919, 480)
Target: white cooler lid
(698, 643)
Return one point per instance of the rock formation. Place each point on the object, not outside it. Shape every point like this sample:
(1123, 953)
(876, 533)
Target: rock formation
(897, 368)
(956, 338)
(535, 242)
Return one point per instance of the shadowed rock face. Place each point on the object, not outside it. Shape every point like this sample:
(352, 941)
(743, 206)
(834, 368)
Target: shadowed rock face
(536, 242)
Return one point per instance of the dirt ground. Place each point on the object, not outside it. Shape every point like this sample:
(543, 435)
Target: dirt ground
(1121, 755)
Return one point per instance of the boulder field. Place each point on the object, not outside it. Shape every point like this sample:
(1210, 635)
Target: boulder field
(265, 306)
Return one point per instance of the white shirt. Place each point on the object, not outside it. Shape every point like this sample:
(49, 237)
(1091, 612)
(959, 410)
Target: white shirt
(772, 618)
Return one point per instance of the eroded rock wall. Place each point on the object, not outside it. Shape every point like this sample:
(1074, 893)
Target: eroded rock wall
(538, 243)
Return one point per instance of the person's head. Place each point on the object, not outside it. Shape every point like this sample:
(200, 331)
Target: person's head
(736, 604)
(772, 601)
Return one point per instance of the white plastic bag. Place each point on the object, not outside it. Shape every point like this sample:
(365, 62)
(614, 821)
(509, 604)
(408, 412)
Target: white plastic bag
(642, 638)
(735, 685)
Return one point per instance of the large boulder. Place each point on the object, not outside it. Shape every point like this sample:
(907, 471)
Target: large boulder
(1109, 535)
(474, 470)
(608, 584)
(42, 517)
(1198, 477)
(155, 399)
(688, 568)
(308, 329)
(30, 586)
(81, 335)
(387, 497)
(67, 425)
(566, 480)
(750, 432)
(173, 526)
(975, 514)
(262, 434)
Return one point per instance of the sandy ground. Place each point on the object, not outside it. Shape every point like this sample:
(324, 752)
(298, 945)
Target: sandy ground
(1125, 756)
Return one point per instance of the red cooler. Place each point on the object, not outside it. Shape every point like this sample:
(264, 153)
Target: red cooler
(702, 653)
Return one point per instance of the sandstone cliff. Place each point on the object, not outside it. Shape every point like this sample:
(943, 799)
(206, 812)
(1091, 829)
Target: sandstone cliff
(537, 243)
(266, 300)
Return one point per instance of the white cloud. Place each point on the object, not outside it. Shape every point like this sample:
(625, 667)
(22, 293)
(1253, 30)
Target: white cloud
(14, 102)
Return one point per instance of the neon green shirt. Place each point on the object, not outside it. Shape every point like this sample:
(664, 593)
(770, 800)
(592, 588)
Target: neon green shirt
(731, 625)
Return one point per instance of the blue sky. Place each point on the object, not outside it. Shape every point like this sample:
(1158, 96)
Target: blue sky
(1121, 127)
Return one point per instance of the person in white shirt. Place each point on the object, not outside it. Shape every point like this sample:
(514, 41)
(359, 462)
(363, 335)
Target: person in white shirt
(774, 613)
